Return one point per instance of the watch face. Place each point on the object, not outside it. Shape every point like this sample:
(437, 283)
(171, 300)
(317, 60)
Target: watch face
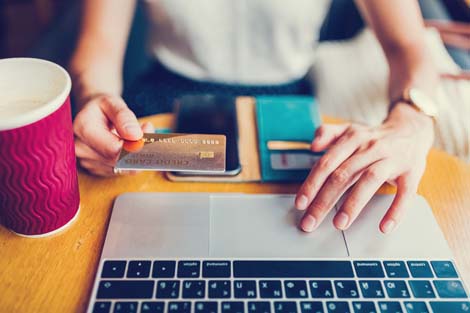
(423, 102)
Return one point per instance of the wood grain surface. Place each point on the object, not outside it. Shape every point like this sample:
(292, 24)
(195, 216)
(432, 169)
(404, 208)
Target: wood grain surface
(55, 274)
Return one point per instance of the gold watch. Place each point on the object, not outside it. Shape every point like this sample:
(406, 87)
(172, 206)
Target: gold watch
(419, 100)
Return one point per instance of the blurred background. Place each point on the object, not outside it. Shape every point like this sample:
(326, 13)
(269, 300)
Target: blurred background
(49, 28)
(23, 22)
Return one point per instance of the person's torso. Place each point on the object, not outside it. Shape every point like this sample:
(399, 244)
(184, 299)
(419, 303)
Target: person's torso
(236, 41)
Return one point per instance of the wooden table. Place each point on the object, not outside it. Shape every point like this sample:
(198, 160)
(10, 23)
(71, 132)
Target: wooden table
(55, 274)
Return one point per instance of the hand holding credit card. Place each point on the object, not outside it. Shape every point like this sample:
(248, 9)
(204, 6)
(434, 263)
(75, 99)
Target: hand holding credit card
(174, 152)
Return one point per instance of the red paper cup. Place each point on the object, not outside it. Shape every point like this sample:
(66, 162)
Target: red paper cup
(38, 175)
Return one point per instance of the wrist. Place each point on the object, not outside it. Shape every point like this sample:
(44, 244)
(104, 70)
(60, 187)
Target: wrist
(88, 84)
(85, 91)
(404, 115)
(413, 67)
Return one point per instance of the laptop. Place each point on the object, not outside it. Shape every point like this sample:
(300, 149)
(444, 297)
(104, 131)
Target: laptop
(237, 253)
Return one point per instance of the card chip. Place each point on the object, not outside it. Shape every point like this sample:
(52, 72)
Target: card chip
(206, 155)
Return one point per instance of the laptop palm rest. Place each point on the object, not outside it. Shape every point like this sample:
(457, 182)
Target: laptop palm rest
(195, 225)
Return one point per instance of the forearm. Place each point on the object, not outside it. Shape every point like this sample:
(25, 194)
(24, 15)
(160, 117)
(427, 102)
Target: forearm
(96, 65)
(400, 30)
(93, 73)
(411, 66)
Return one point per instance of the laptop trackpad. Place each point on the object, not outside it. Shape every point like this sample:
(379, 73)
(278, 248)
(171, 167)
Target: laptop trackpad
(159, 225)
(266, 226)
(204, 225)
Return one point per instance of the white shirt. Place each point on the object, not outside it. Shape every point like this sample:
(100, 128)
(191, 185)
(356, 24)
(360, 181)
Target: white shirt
(236, 41)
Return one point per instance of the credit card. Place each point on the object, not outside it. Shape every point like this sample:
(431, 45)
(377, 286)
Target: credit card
(293, 161)
(174, 152)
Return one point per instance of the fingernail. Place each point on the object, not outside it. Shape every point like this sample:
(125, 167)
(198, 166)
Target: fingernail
(341, 220)
(134, 130)
(301, 203)
(388, 226)
(308, 223)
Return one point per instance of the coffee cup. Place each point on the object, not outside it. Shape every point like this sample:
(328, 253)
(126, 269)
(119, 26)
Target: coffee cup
(39, 192)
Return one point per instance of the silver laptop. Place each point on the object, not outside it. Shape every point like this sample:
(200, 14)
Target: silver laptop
(237, 253)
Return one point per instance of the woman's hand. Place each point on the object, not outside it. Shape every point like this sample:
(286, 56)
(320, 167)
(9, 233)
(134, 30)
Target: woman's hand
(99, 128)
(361, 159)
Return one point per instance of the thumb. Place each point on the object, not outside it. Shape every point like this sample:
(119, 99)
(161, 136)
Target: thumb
(122, 118)
(326, 135)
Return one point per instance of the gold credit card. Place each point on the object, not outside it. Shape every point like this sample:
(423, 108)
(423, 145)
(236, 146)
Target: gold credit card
(174, 152)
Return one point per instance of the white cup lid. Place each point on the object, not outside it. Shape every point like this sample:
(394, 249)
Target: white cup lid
(30, 89)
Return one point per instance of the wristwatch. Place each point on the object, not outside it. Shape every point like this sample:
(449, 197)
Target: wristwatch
(419, 100)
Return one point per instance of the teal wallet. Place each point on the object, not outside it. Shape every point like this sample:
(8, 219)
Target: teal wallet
(284, 118)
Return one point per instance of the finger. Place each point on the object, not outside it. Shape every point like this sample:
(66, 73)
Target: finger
(148, 127)
(96, 168)
(122, 118)
(346, 145)
(325, 135)
(364, 157)
(324, 202)
(92, 127)
(342, 178)
(369, 182)
(346, 175)
(407, 187)
(83, 151)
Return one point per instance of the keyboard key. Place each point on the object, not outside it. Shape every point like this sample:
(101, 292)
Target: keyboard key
(369, 269)
(396, 289)
(390, 307)
(420, 269)
(125, 289)
(285, 307)
(338, 307)
(450, 289)
(216, 269)
(364, 307)
(292, 269)
(454, 307)
(194, 289)
(259, 307)
(416, 307)
(219, 289)
(346, 289)
(125, 307)
(311, 307)
(232, 307)
(295, 289)
(444, 269)
(244, 288)
(396, 269)
(179, 307)
(321, 289)
(205, 307)
(101, 307)
(168, 289)
(113, 269)
(152, 307)
(163, 269)
(270, 289)
(189, 269)
(138, 269)
(421, 288)
(371, 289)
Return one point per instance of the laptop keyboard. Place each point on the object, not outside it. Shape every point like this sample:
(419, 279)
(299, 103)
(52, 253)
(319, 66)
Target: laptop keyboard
(277, 286)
